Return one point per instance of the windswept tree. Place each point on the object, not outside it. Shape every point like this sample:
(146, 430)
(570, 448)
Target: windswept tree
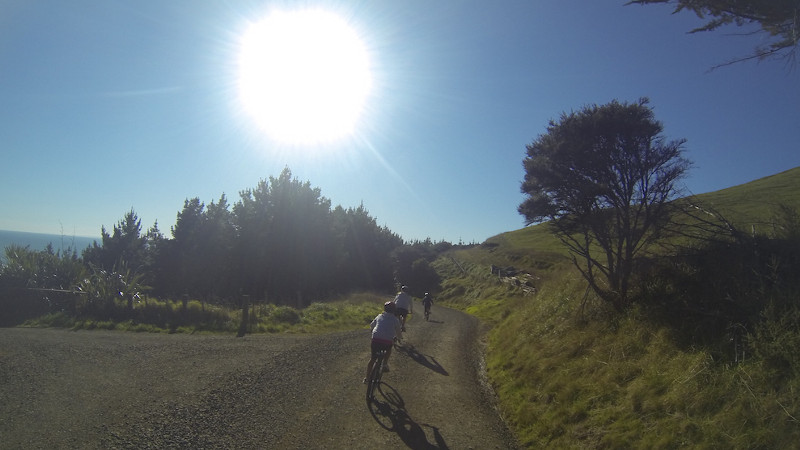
(779, 20)
(604, 177)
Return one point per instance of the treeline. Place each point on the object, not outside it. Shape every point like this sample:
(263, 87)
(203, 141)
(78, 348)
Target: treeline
(280, 243)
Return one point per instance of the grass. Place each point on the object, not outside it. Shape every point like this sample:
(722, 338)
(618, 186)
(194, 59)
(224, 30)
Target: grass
(753, 204)
(622, 382)
(156, 316)
(570, 373)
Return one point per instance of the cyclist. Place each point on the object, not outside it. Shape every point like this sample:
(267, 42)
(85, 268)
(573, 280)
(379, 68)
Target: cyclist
(427, 301)
(404, 304)
(385, 327)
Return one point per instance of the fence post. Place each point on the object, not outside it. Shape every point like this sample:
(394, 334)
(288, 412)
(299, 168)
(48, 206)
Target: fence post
(245, 314)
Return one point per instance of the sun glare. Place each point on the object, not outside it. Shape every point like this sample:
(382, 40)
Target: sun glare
(303, 76)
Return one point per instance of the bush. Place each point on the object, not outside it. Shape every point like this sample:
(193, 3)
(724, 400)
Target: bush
(285, 314)
(716, 292)
(776, 341)
(33, 283)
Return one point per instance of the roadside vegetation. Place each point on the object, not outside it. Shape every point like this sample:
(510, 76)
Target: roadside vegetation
(280, 258)
(166, 316)
(706, 356)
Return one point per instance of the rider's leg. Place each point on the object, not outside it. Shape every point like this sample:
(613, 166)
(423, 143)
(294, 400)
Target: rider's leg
(386, 358)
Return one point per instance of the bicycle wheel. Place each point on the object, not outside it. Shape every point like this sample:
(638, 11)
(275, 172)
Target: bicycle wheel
(375, 375)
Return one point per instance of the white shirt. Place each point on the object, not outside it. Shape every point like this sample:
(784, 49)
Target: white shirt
(385, 327)
(403, 300)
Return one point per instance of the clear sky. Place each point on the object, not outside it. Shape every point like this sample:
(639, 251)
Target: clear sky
(111, 105)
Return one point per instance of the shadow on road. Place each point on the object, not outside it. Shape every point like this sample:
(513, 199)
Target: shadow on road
(388, 409)
(426, 360)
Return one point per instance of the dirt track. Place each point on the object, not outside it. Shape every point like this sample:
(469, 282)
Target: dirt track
(97, 389)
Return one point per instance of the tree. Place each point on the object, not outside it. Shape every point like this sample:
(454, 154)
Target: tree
(779, 19)
(301, 239)
(125, 246)
(412, 265)
(424, 277)
(197, 260)
(155, 245)
(187, 250)
(604, 177)
(219, 235)
(364, 255)
(285, 245)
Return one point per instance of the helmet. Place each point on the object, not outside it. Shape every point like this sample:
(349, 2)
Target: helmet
(404, 288)
(389, 306)
(427, 294)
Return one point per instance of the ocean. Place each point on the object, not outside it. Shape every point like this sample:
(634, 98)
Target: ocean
(39, 241)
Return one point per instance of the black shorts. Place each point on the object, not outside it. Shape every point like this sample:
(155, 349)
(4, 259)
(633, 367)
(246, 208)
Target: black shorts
(377, 346)
(401, 312)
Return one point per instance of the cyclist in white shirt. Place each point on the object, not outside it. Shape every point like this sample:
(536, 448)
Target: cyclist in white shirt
(385, 327)
(404, 304)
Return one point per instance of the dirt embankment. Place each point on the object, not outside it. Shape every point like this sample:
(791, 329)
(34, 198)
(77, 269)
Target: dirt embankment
(98, 389)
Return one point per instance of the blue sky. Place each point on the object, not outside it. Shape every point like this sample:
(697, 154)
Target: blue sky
(112, 105)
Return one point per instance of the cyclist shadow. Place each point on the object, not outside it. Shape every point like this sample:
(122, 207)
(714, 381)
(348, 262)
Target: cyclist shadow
(390, 413)
(430, 362)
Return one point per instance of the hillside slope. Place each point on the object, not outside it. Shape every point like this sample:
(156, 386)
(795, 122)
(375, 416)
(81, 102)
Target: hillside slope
(748, 203)
(570, 373)
(754, 203)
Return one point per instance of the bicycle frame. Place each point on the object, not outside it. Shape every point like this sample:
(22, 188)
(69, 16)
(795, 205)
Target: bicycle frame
(375, 375)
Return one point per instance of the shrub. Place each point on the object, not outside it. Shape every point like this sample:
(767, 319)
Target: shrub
(285, 314)
(776, 341)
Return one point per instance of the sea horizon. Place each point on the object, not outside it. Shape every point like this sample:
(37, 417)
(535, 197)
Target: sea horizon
(39, 241)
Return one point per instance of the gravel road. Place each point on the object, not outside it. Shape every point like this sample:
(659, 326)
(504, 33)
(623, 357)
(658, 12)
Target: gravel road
(100, 389)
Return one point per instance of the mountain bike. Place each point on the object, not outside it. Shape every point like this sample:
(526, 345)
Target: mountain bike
(427, 314)
(375, 375)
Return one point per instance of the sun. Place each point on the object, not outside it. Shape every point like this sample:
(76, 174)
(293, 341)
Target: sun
(304, 76)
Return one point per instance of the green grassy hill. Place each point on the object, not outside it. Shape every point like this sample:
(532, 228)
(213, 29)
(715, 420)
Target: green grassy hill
(755, 202)
(570, 373)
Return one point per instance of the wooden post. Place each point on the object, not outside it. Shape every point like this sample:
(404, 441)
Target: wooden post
(245, 316)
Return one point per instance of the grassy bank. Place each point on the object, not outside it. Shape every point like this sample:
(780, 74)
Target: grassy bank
(160, 316)
(571, 373)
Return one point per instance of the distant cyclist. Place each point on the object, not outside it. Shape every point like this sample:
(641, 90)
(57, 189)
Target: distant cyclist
(404, 304)
(385, 327)
(427, 302)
